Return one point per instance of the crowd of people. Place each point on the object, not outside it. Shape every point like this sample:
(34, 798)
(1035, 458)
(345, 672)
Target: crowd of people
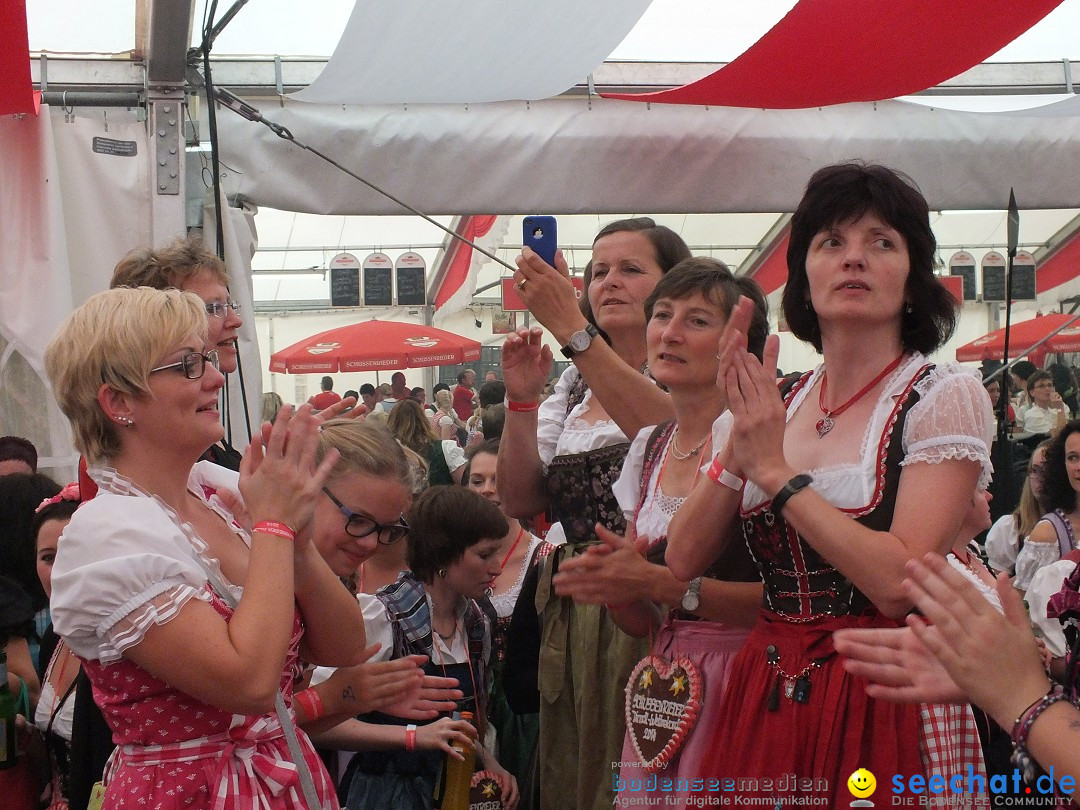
(674, 575)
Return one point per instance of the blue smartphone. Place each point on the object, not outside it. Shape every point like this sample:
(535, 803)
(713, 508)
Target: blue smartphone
(541, 235)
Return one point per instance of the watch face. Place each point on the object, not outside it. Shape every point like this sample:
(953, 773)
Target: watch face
(579, 341)
(690, 601)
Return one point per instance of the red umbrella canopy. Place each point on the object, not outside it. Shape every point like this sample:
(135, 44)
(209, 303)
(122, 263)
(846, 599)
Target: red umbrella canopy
(375, 346)
(1024, 335)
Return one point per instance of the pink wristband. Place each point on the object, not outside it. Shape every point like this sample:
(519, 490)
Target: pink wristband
(410, 737)
(725, 478)
(274, 528)
(311, 703)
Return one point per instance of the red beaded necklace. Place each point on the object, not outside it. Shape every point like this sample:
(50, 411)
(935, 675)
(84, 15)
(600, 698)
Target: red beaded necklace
(827, 422)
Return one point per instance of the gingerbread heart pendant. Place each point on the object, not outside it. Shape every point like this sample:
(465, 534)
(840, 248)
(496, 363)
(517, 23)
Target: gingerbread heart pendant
(663, 699)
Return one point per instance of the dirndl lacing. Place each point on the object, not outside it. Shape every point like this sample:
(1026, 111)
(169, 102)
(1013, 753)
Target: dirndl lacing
(244, 772)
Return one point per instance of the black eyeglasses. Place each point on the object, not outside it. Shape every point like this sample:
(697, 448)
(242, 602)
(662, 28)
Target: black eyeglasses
(219, 309)
(193, 364)
(357, 525)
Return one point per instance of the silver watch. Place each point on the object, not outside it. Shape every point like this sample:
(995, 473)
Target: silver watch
(579, 341)
(691, 600)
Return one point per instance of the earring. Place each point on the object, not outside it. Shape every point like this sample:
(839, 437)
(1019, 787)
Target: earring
(442, 573)
(908, 309)
(806, 304)
(125, 421)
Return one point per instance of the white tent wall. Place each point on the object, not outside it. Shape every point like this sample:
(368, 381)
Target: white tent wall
(68, 213)
(575, 155)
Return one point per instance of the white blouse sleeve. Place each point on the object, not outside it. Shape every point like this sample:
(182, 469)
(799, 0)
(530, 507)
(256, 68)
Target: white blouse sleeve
(952, 420)
(552, 415)
(123, 565)
(627, 490)
(1031, 558)
(453, 454)
(1046, 582)
(1001, 544)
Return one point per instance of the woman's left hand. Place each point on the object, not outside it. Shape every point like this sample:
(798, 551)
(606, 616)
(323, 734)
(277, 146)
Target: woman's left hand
(549, 294)
(613, 572)
(757, 434)
(507, 785)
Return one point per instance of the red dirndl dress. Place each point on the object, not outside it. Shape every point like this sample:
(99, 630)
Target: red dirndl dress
(793, 722)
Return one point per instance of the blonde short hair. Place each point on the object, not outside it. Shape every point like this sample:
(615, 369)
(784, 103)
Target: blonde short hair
(363, 448)
(179, 261)
(114, 339)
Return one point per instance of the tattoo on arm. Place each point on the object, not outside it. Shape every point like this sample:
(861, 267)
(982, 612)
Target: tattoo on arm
(349, 694)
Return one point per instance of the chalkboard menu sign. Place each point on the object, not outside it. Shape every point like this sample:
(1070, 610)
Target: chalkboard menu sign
(994, 284)
(344, 281)
(1023, 275)
(410, 270)
(968, 274)
(378, 281)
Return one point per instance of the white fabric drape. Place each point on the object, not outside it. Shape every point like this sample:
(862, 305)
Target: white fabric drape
(571, 156)
(62, 235)
(417, 51)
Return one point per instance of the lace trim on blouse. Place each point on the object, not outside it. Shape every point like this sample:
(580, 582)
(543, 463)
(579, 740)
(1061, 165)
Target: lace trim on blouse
(127, 625)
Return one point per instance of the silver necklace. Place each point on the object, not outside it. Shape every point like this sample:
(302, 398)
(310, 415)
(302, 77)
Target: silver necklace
(681, 456)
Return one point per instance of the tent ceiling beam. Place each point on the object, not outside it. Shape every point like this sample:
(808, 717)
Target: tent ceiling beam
(269, 75)
(762, 249)
(170, 24)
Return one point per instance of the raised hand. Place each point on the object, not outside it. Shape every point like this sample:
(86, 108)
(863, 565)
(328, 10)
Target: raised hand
(898, 666)
(757, 434)
(991, 656)
(526, 364)
(278, 475)
(549, 294)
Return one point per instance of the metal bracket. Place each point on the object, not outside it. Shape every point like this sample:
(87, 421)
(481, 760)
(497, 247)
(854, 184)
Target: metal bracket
(166, 107)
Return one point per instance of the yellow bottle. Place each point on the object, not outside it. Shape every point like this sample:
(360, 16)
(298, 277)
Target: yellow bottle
(459, 774)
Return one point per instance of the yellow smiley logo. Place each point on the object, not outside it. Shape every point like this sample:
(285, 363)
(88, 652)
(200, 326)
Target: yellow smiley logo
(862, 784)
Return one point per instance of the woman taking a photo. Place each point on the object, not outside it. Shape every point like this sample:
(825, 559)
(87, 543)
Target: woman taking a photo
(187, 625)
(872, 460)
(565, 455)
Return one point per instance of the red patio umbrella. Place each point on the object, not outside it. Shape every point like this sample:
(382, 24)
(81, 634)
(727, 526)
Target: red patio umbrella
(375, 346)
(1022, 338)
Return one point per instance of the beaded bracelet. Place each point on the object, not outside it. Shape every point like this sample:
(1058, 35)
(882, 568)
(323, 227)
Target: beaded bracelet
(310, 701)
(275, 528)
(410, 737)
(1021, 758)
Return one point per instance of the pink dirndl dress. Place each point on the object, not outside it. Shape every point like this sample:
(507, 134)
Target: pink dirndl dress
(710, 646)
(173, 750)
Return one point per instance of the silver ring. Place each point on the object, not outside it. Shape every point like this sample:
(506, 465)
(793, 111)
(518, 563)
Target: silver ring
(519, 285)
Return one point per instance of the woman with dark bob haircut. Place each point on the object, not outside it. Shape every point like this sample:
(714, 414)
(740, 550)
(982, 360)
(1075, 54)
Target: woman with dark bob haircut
(435, 610)
(844, 193)
(896, 446)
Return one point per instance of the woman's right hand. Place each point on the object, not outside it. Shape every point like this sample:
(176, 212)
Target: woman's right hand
(443, 733)
(278, 475)
(526, 364)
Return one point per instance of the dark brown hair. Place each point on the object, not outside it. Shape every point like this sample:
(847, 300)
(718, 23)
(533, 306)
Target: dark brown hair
(444, 521)
(845, 192)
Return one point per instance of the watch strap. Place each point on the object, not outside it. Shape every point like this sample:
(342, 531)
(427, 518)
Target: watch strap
(568, 351)
(796, 485)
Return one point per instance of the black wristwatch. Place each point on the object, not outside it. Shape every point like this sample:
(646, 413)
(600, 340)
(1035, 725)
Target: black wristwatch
(796, 485)
(579, 341)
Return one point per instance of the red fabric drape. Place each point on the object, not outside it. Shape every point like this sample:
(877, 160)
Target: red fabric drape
(838, 51)
(1062, 265)
(472, 228)
(16, 90)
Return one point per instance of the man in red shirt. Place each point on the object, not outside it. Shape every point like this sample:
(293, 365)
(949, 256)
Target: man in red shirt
(464, 396)
(325, 398)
